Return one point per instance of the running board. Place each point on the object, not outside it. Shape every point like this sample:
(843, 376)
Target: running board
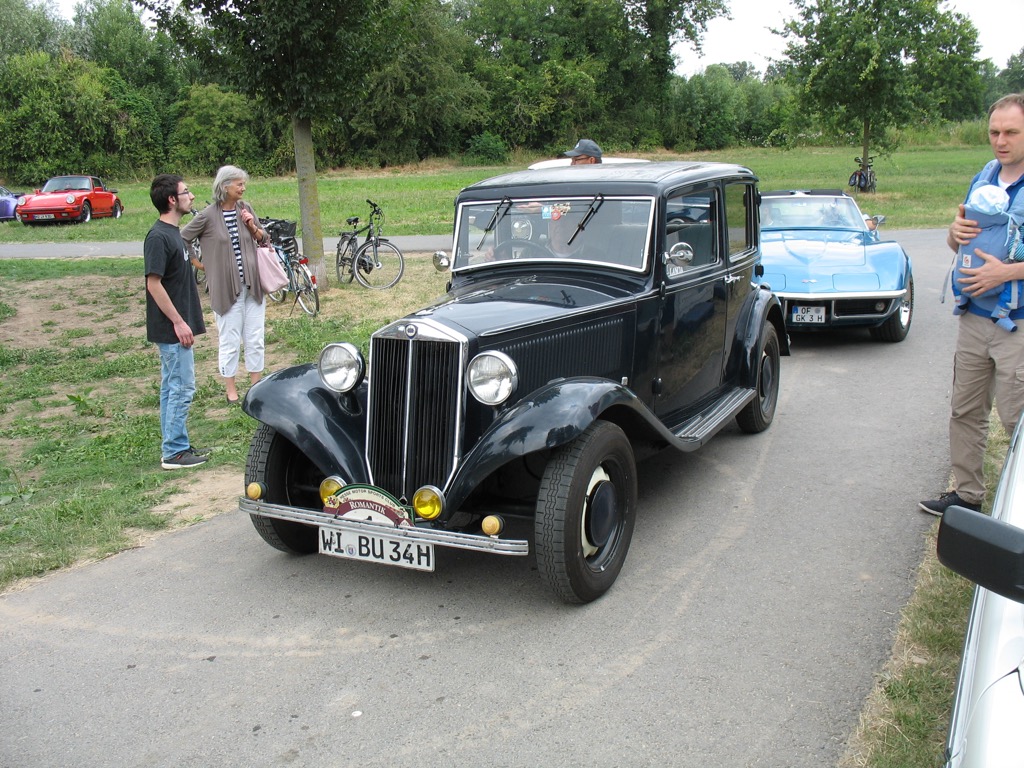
(698, 429)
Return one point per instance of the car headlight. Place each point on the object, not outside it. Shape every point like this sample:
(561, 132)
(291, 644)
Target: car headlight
(22, 200)
(69, 199)
(341, 367)
(492, 377)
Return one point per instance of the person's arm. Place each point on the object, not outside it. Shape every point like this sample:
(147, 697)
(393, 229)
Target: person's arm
(250, 221)
(155, 286)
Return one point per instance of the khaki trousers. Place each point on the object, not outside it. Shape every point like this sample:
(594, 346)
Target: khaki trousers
(989, 363)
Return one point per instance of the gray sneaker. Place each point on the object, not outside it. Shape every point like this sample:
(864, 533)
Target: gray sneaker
(183, 460)
(945, 501)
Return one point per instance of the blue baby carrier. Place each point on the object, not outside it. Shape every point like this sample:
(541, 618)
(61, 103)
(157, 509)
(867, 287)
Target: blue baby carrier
(1000, 236)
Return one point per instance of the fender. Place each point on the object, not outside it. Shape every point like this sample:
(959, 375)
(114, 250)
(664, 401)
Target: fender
(551, 416)
(322, 424)
(763, 307)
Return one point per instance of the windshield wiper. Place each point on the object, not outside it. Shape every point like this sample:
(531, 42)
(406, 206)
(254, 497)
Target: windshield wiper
(498, 216)
(596, 203)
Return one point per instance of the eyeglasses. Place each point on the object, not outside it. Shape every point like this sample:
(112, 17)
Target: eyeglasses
(181, 192)
(579, 159)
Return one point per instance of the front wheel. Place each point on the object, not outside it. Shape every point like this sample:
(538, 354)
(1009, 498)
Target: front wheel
(897, 326)
(344, 259)
(586, 510)
(86, 215)
(378, 264)
(306, 293)
(757, 415)
(289, 478)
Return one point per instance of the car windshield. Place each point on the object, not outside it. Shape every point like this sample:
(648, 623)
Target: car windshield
(590, 229)
(809, 212)
(63, 183)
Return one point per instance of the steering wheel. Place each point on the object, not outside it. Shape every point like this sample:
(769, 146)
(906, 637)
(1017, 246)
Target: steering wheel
(536, 248)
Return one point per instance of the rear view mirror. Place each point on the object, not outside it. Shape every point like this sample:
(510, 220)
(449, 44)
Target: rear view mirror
(987, 551)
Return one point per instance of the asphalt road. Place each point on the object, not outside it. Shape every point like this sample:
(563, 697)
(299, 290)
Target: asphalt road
(758, 603)
(410, 243)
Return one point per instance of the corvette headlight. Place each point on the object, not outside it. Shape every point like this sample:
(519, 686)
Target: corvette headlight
(341, 367)
(492, 377)
(69, 199)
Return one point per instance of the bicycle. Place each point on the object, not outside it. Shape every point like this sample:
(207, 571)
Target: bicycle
(377, 263)
(301, 281)
(864, 177)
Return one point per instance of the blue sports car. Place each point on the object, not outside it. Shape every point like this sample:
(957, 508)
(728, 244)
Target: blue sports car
(8, 201)
(828, 265)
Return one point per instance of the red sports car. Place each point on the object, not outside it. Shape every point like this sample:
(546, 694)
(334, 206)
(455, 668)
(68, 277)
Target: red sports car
(69, 198)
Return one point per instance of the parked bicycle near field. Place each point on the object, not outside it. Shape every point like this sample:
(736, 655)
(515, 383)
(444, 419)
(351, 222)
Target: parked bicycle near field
(864, 177)
(377, 263)
(301, 282)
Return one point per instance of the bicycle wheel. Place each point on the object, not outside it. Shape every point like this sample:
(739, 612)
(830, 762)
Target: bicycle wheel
(379, 264)
(343, 262)
(306, 292)
(871, 181)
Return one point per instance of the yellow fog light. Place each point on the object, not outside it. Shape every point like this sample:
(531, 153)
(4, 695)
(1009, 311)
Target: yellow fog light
(428, 502)
(492, 525)
(330, 486)
(255, 491)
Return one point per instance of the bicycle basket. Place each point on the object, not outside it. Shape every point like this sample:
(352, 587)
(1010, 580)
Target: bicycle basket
(278, 228)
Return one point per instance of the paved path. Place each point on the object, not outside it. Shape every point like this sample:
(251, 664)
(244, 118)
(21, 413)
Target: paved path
(408, 243)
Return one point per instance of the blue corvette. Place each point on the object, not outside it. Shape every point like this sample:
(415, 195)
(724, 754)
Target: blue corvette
(827, 264)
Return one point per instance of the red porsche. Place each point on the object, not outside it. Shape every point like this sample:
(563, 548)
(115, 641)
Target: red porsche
(69, 198)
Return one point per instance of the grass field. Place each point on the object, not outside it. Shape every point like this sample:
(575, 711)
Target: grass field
(917, 188)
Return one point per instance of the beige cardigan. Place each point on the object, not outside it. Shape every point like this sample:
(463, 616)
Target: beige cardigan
(209, 229)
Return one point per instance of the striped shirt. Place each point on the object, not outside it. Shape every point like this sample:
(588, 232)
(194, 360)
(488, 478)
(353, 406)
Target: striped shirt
(231, 220)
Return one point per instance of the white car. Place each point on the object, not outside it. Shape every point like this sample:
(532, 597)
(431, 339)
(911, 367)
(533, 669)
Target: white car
(988, 711)
(559, 161)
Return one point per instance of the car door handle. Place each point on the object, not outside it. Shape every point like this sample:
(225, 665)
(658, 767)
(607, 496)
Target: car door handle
(733, 279)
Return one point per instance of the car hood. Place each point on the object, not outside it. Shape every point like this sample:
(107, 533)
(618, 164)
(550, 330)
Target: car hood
(52, 198)
(817, 248)
(489, 305)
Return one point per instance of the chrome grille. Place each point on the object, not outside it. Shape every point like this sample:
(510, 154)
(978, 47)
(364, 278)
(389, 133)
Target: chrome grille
(414, 410)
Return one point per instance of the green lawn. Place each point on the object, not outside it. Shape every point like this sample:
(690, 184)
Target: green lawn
(917, 188)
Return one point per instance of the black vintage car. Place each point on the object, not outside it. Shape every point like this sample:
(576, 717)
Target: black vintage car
(594, 314)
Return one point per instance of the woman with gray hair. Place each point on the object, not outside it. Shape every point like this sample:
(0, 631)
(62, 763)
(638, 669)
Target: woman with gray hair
(225, 231)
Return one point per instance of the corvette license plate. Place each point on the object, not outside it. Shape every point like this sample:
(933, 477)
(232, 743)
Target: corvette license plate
(801, 314)
(378, 548)
(43, 216)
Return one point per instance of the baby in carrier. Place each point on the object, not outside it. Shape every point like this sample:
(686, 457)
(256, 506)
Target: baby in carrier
(1000, 236)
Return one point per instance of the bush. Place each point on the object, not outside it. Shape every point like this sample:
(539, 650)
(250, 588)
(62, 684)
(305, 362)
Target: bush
(488, 149)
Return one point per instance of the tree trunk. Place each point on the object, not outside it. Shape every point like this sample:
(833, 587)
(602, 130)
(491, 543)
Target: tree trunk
(309, 199)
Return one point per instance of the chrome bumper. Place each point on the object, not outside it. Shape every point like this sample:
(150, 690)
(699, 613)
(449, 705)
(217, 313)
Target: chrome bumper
(321, 519)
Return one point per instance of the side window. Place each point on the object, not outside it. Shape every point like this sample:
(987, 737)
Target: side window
(691, 220)
(739, 216)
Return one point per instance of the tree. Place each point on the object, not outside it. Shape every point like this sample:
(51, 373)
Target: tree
(861, 65)
(306, 58)
(27, 27)
(1011, 79)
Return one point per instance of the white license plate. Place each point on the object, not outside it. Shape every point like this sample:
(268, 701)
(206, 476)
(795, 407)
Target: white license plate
(43, 216)
(378, 548)
(800, 314)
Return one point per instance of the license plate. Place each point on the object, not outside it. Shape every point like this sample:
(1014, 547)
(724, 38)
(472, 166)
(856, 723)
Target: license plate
(807, 314)
(378, 548)
(43, 216)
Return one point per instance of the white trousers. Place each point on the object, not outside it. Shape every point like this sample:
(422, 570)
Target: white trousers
(243, 324)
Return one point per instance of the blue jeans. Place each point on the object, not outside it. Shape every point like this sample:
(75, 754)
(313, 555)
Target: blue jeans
(177, 385)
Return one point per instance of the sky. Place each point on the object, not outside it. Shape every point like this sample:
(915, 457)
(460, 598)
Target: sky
(747, 36)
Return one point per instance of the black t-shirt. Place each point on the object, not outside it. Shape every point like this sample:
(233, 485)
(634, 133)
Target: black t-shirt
(165, 255)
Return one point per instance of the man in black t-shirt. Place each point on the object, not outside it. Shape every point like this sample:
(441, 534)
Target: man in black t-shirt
(174, 317)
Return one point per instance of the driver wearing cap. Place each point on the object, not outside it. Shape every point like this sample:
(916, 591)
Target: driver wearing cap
(585, 152)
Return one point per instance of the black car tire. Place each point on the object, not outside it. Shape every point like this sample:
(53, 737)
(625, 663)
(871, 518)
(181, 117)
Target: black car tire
(586, 510)
(117, 211)
(897, 326)
(289, 478)
(86, 215)
(757, 415)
